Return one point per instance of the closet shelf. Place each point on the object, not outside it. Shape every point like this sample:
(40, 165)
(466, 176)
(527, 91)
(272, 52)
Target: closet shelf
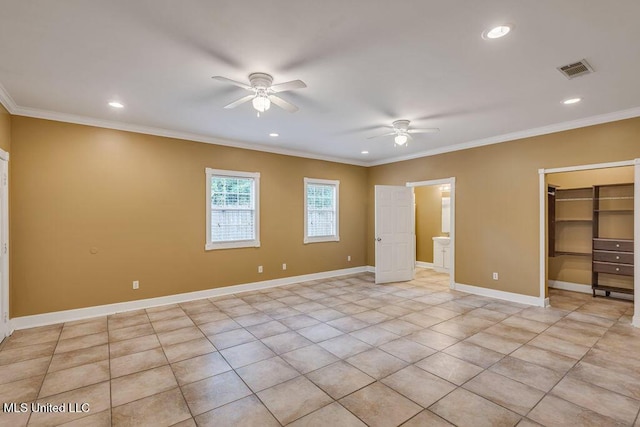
(576, 199)
(613, 210)
(574, 220)
(560, 253)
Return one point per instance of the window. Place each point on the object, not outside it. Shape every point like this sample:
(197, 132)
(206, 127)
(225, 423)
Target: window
(321, 210)
(232, 209)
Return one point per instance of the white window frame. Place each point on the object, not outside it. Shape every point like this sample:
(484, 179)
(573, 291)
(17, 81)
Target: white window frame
(316, 239)
(255, 243)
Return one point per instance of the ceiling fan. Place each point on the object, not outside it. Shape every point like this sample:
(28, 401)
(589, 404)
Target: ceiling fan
(402, 132)
(262, 92)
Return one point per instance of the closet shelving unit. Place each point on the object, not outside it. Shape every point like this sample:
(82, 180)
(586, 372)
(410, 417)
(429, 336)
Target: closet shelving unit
(612, 237)
(572, 215)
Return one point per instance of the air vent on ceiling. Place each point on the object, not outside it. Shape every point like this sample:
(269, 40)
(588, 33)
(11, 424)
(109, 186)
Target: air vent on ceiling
(576, 69)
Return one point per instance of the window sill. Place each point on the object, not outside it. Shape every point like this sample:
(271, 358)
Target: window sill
(308, 240)
(232, 245)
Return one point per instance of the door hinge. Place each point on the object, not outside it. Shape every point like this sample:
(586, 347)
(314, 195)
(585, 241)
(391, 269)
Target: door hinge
(4, 179)
(5, 318)
(5, 248)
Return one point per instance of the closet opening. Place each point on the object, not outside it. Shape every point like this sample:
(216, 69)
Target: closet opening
(590, 243)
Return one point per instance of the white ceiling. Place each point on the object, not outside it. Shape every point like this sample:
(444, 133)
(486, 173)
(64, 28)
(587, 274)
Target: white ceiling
(366, 63)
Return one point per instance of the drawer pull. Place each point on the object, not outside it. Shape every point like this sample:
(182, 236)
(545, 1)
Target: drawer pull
(617, 245)
(617, 257)
(617, 268)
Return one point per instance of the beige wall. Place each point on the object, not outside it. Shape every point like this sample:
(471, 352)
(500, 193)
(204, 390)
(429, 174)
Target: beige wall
(140, 200)
(497, 197)
(428, 220)
(577, 236)
(5, 129)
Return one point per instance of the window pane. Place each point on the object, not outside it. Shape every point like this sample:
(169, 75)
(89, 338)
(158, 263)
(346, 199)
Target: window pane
(230, 225)
(321, 223)
(321, 210)
(232, 209)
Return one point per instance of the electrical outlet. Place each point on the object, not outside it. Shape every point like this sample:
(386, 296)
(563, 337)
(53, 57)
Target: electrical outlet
(259, 269)
(136, 284)
(348, 257)
(284, 266)
(495, 276)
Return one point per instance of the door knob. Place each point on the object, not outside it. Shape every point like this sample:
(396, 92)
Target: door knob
(378, 239)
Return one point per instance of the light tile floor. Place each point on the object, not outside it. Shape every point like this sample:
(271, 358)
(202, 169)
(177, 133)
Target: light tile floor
(341, 352)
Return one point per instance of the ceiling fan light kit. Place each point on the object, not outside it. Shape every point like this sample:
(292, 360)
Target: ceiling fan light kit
(401, 139)
(261, 102)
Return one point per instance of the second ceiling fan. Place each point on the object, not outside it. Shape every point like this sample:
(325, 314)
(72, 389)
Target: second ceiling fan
(402, 131)
(263, 92)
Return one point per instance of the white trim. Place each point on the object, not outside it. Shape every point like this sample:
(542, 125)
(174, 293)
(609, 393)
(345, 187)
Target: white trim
(452, 233)
(507, 296)
(5, 323)
(7, 100)
(542, 278)
(582, 288)
(318, 239)
(253, 243)
(588, 167)
(513, 136)
(370, 269)
(104, 310)
(636, 243)
(441, 181)
(421, 264)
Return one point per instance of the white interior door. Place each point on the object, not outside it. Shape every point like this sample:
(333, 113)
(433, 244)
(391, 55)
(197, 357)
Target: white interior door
(4, 246)
(394, 234)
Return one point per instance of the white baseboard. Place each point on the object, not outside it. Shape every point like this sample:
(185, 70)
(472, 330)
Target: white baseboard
(424, 264)
(370, 269)
(104, 310)
(507, 296)
(582, 288)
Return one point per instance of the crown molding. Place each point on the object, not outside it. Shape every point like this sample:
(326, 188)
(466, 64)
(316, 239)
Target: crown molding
(13, 108)
(7, 101)
(148, 130)
(543, 130)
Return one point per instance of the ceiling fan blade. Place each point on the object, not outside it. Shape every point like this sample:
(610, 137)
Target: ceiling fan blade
(384, 134)
(242, 100)
(428, 130)
(294, 84)
(283, 104)
(233, 82)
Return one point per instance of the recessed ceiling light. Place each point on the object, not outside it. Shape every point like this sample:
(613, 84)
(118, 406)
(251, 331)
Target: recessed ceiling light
(273, 134)
(364, 152)
(571, 101)
(116, 104)
(497, 32)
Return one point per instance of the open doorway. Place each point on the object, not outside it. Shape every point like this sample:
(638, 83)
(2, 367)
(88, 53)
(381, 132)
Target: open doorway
(435, 227)
(589, 236)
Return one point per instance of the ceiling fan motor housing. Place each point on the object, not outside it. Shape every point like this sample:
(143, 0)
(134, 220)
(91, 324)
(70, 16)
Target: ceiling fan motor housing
(260, 80)
(401, 125)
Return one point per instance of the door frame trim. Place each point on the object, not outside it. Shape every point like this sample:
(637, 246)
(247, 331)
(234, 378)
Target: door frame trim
(452, 220)
(5, 329)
